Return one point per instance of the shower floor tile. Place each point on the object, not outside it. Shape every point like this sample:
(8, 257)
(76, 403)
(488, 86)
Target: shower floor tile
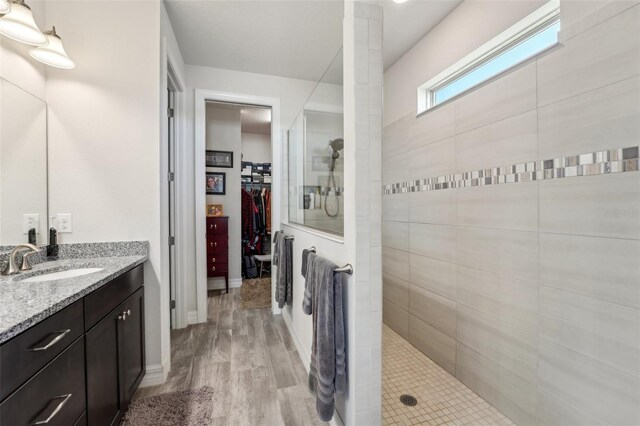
(442, 399)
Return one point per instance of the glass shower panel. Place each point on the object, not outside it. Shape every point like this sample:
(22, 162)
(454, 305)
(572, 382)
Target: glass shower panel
(316, 156)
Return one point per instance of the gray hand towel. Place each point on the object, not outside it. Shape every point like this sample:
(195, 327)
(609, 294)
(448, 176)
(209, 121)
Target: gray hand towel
(283, 259)
(323, 298)
(305, 255)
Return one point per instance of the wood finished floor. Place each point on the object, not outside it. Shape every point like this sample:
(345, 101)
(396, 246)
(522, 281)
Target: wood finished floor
(249, 359)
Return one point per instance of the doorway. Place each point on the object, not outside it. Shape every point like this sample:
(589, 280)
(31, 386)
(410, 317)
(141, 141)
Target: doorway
(219, 134)
(238, 195)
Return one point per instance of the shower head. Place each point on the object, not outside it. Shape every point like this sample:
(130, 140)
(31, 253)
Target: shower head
(337, 144)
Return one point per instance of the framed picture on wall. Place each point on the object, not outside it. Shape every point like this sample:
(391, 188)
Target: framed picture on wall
(220, 159)
(215, 210)
(216, 183)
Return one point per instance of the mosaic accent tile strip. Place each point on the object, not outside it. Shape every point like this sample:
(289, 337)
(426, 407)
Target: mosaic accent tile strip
(618, 160)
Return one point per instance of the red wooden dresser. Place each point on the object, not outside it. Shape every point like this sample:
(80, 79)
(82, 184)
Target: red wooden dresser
(218, 248)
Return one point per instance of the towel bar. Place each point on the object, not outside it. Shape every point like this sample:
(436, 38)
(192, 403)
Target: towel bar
(290, 237)
(312, 249)
(346, 268)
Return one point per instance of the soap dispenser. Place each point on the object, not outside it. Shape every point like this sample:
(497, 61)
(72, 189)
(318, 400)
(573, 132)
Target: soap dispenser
(52, 248)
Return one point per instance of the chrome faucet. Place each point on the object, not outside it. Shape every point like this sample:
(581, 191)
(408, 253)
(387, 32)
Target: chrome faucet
(12, 267)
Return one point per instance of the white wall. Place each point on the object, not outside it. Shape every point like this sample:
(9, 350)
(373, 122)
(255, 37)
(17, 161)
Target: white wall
(468, 27)
(104, 134)
(256, 148)
(292, 94)
(223, 134)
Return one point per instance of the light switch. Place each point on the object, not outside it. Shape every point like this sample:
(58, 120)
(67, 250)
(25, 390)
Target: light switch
(30, 221)
(65, 223)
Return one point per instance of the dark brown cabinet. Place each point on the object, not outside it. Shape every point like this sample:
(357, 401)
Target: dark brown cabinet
(82, 365)
(218, 248)
(115, 359)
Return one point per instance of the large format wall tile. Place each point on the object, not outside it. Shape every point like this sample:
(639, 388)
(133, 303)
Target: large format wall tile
(605, 205)
(437, 207)
(395, 290)
(597, 120)
(433, 126)
(396, 262)
(512, 93)
(395, 235)
(433, 160)
(435, 275)
(396, 318)
(603, 268)
(512, 395)
(607, 53)
(509, 206)
(395, 207)
(510, 141)
(604, 331)
(510, 253)
(605, 394)
(433, 343)
(505, 345)
(395, 136)
(396, 168)
(436, 241)
(513, 301)
(433, 309)
(553, 412)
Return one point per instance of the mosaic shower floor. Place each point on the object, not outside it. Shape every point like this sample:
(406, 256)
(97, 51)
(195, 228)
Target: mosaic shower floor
(442, 399)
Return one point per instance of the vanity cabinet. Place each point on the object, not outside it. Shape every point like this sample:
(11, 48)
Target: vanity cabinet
(80, 366)
(115, 356)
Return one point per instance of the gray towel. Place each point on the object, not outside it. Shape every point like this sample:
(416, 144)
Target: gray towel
(283, 259)
(305, 255)
(323, 298)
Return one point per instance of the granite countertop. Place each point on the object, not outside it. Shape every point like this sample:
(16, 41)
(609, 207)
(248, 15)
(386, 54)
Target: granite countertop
(24, 304)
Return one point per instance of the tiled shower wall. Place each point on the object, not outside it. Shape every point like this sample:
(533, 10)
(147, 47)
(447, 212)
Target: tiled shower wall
(528, 292)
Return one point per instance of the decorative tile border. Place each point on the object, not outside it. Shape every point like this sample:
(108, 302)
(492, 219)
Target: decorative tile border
(594, 163)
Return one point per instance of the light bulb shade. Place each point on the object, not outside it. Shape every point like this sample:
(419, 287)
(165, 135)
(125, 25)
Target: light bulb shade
(19, 25)
(53, 53)
(5, 7)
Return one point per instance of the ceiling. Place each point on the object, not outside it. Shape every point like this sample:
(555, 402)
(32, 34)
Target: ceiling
(295, 39)
(289, 38)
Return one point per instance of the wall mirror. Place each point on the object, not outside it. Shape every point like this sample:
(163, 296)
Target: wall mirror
(23, 166)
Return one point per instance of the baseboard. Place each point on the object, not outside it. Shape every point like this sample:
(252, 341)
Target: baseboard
(154, 375)
(219, 284)
(192, 317)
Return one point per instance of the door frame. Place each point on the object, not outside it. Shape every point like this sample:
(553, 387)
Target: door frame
(171, 70)
(201, 98)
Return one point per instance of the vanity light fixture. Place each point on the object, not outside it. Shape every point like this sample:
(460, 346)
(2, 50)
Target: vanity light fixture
(19, 25)
(400, 1)
(5, 7)
(53, 53)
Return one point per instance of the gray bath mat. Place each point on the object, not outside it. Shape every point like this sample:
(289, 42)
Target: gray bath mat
(187, 407)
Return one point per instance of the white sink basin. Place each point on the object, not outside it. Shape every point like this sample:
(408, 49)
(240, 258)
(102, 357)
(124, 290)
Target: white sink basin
(69, 273)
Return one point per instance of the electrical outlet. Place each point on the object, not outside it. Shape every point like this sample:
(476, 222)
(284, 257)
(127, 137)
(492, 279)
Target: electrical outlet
(65, 223)
(30, 221)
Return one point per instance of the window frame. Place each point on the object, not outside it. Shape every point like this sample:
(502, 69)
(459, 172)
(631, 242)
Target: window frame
(538, 21)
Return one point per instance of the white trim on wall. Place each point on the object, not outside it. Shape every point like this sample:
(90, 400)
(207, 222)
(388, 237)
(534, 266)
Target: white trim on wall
(169, 59)
(201, 97)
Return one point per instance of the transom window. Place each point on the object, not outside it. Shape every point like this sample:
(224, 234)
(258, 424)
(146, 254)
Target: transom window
(527, 38)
